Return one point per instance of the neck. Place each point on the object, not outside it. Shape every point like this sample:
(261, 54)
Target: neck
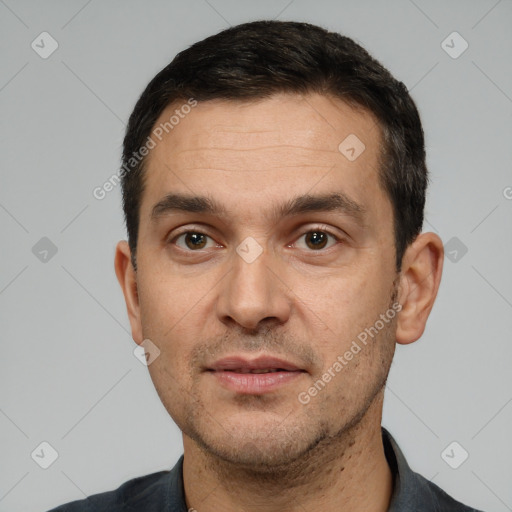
(349, 472)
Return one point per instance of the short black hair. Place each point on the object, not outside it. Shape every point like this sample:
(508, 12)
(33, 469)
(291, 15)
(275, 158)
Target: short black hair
(259, 59)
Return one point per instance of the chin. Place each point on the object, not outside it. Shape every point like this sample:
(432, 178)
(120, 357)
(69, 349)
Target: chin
(259, 448)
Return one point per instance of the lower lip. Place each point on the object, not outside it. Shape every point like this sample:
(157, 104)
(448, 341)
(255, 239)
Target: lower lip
(255, 383)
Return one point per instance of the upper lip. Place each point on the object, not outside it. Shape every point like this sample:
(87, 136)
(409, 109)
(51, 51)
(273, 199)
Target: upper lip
(259, 363)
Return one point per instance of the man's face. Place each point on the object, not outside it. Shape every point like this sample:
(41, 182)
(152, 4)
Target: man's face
(251, 280)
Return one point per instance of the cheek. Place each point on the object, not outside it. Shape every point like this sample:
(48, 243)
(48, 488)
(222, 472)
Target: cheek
(164, 297)
(169, 319)
(346, 302)
(172, 387)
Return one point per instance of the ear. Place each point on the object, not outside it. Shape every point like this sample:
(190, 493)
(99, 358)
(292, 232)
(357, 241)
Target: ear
(127, 277)
(420, 277)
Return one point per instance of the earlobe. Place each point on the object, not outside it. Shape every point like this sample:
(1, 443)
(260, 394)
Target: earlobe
(127, 278)
(419, 283)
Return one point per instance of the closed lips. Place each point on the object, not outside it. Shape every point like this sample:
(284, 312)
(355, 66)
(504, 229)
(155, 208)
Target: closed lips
(265, 364)
(262, 370)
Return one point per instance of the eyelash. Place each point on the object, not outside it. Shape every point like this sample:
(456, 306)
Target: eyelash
(319, 228)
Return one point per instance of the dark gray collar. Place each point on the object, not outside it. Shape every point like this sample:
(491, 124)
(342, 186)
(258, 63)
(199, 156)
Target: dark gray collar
(411, 491)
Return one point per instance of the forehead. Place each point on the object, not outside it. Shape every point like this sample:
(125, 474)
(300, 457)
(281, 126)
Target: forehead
(281, 146)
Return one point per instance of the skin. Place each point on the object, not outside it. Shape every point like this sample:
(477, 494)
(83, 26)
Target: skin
(271, 452)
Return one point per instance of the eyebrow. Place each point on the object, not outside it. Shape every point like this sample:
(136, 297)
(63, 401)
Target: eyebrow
(334, 202)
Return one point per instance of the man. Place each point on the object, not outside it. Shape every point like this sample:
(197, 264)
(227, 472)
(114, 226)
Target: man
(274, 183)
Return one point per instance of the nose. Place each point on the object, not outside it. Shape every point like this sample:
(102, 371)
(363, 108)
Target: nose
(253, 293)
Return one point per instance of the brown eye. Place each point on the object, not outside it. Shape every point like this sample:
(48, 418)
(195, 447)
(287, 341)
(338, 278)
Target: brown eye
(316, 239)
(193, 240)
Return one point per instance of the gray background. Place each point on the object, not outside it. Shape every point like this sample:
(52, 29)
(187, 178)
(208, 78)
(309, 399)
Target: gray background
(68, 373)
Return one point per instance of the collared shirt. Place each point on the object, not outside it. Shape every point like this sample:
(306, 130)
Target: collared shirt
(163, 491)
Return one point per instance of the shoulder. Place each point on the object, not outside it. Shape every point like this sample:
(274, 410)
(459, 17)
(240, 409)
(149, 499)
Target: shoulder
(412, 491)
(135, 494)
(438, 499)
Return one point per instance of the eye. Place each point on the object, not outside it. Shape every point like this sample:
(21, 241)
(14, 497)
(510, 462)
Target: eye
(193, 240)
(318, 239)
